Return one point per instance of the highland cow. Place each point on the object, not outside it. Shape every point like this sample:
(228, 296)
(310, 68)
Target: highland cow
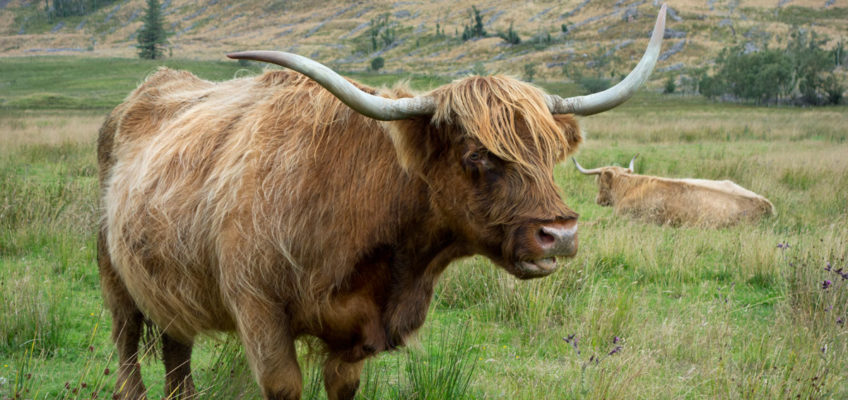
(695, 202)
(301, 203)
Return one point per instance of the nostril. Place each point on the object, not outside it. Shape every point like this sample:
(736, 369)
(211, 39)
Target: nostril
(545, 239)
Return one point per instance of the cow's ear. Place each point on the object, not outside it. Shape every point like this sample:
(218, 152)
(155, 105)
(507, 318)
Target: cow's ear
(571, 131)
(415, 141)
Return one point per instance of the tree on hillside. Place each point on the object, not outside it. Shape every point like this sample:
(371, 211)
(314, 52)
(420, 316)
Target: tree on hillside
(152, 36)
(476, 29)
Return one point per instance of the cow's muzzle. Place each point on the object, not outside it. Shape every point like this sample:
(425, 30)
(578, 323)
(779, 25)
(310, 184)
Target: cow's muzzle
(554, 239)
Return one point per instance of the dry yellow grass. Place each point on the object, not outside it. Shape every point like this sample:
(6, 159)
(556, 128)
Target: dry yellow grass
(19, 128)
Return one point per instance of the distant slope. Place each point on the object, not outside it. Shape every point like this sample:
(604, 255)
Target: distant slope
(336, 32)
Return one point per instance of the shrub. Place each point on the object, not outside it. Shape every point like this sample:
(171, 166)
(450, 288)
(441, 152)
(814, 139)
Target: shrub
(803, 71)
(529, 72)
(475, 29)
(669, 87)
(68, 8)
(593, 84)
(479, 69)
(510, 36)
(377, 63)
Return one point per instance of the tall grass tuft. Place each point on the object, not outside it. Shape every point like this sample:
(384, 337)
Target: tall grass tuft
(442, 369)
(33, 312)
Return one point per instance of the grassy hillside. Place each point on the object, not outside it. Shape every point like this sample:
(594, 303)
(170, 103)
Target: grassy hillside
(642, 312)
(337, 33)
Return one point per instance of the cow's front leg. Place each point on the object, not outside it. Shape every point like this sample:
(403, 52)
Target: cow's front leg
(269, 346)
(341, 378)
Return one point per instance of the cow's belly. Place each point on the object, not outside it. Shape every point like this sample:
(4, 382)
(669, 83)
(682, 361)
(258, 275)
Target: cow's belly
(182, 300)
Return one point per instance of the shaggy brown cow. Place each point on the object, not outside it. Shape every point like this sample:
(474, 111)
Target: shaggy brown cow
(294, 204)
(698, 202)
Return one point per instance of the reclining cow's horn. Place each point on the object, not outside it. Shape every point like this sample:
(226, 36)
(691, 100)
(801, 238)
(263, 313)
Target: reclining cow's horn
(393, 109)
(364, 103)
(585, 171)
(602, 101)
(630, 167)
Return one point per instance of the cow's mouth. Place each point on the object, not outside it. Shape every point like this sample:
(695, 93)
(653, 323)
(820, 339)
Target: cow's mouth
(536, 268)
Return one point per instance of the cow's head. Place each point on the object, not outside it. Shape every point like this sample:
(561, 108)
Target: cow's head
(606, 176)
(487, 147)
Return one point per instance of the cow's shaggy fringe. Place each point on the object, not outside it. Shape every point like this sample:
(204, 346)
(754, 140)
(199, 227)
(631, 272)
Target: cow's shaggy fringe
(490, 109)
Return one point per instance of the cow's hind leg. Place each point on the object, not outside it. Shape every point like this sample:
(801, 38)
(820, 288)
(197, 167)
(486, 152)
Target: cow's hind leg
(177, 359)
(127, 324)
(341, 378)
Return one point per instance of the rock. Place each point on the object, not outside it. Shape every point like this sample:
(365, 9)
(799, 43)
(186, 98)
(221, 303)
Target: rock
(710, 4)
(112, 13)
(750, 48)
(673, 14)
(575, 10)
(195, 14)
(58, 26)
(673, 67)
(630, 14)
(676, 48)
(328, 19)
(673, 34)
(133, 16)
(493, 18)
(540, 14)
(355, 30)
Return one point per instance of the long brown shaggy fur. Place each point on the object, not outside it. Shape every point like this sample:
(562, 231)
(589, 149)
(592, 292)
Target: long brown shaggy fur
(696, 202)
(264, 205)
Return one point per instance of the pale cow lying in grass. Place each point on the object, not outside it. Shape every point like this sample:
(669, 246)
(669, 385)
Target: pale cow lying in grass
(696, 202)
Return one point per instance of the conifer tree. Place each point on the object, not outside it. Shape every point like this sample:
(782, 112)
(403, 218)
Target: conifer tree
(152, 35)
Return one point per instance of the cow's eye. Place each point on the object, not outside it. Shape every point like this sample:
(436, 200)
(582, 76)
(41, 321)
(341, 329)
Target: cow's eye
(475, 156)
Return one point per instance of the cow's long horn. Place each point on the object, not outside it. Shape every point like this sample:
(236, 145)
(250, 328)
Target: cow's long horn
(364, 103)
(602, 101)
(585, 171)
(630, 167)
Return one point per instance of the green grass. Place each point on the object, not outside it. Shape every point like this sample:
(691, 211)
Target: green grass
(697, 313)
(101, 83)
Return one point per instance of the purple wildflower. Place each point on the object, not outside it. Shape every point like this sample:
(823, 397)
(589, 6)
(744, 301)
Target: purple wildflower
(827, 268)
(615, 350)
(572, 339)
(840, 321)
(615, 339)
(826, 284)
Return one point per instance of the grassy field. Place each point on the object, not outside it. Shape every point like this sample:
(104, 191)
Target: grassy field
(642, 312)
